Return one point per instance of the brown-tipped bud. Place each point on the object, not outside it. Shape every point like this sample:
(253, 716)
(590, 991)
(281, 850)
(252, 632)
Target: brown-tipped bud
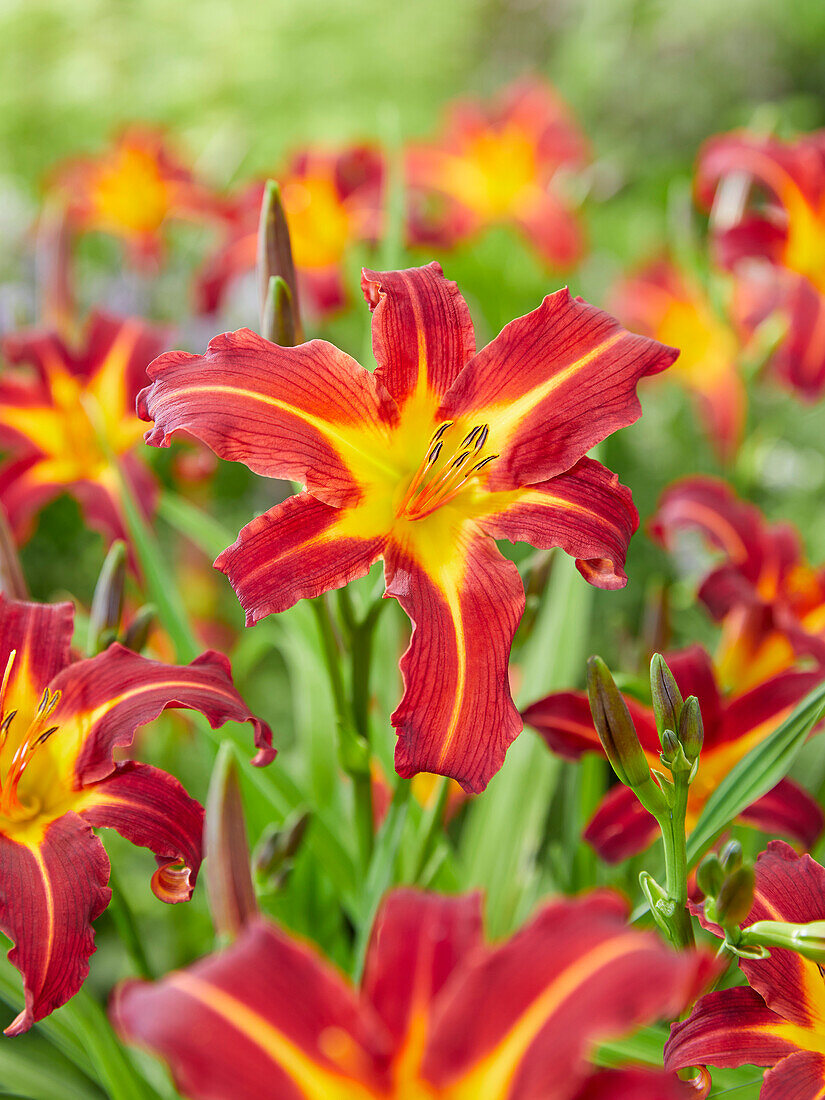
(615, 726)
(691, 728)
(226, 849)
(667, 699)
(136, 635)
(278, 322)
(275, 257)
(107, 602)
(670, 746)
(277, 847)
(709, 875)
(731, 856)
(12, 581)
(735, 898)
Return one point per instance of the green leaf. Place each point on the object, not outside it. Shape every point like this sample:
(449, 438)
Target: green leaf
(31, 1067)
(206, 532)
(756, 774)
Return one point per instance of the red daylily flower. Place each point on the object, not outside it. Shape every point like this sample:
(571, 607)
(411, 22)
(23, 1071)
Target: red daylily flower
(59, 724)
(770, 601)
(498, 163)
(424, 464)
(621, 827)
(440, 1013)
(664, 302)
(776, 239)
(56, 400)
(331, 200)
(131, 190)
(779, 1020)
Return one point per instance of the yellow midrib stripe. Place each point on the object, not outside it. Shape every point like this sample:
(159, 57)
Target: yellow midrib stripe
(322, 426)
(514, 411)
(450, 590)
(492, 1077)
(316, 1082)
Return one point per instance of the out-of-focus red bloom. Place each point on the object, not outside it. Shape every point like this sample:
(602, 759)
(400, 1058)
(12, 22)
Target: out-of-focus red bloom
(664, 302)
(60, 721)
(779, 1021)
(424, 464)
(498, 163)
(331, 200)
(770, 601)
(131, 190)
(56, 400)
(775, 237)
(424, 789)
(440, 1013)
(621, 827)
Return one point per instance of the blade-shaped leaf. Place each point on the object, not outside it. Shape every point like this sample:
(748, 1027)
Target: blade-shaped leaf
(756, 774)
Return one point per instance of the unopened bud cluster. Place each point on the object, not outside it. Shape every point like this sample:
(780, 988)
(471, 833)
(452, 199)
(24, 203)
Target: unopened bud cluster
(106, 614)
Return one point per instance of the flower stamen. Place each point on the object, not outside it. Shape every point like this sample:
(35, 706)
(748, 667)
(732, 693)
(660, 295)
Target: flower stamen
(35, 736)
(438, 481)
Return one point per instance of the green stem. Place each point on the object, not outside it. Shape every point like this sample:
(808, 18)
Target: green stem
(433, 828)
(124, 921)
(673, 833)
(332, 658)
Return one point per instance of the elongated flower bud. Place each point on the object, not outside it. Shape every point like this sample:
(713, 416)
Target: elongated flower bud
(667, 699)
(735, 898)
(136, 635)
(226, 848)
(12, 581)
(691, 729)
(275, 261)
(709, 875)
(615, 726)
(107, 602)
(807, 940)
(731, 856)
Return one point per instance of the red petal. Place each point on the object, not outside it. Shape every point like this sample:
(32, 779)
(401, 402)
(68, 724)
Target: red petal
(105, 698)
(51, 892)
(636, 1084)
(422, 333)
(296, 551)
(731, 1028)
(266, 1017)
(418, 941)
(621, 827)
(801, 1076)
(552, 229)
(551, 385)
(152, 809)
(456, 717)
(309, 413)
(573, 976)
(585, 511)
(41, 635)
(789, 811)
(766, 704)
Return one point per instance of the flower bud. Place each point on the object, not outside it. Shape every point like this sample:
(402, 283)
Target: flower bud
(735, 898)
(277, 847)
(278, 324)
(731, 856)
(691, 729)
(12, 582)
(275, 260)
(136, 635)
(667, 699)
(709, 875)
(107, 602)
(807, 940)
(615, 726)
(226, 849)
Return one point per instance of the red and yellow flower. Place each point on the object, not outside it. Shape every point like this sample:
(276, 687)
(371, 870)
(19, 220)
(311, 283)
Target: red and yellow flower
(131, 190)
(60, 720)
(440, 1013)
(775, 236)
(621, 827)
(778, 1020)
(666, 303)
(500, 163)
(56, 401)
(424, 464)
(770, 601)
(331, 200)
